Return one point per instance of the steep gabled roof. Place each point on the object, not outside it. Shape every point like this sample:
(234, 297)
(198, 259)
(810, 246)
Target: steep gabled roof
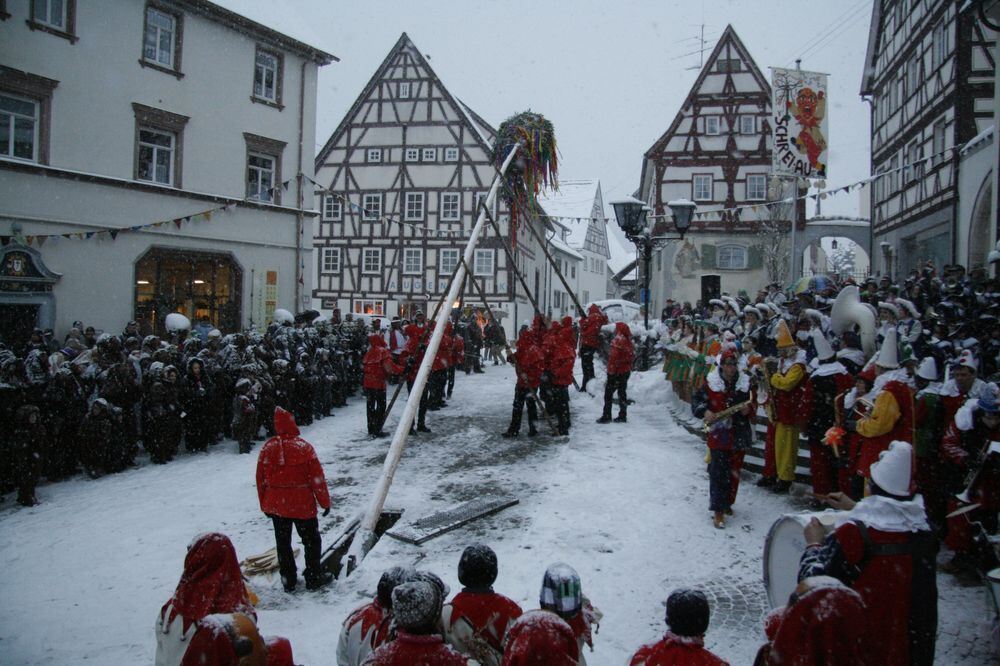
(474, 123)
(573, 200)
(871, 54)
(729, 37)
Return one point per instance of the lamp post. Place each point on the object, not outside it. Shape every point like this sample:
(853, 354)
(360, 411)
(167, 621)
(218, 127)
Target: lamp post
(632, 215)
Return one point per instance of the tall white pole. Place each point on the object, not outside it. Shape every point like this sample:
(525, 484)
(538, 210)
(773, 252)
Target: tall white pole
(365, 537)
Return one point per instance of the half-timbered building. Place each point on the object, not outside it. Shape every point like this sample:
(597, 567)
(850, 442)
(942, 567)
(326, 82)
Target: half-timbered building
(717, 153)
(401, 179)
(929, 74)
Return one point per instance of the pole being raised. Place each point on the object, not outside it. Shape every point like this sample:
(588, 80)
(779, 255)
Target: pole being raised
(365, 538)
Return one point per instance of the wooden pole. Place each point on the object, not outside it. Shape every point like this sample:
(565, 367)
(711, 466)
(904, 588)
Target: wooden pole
(365, 537)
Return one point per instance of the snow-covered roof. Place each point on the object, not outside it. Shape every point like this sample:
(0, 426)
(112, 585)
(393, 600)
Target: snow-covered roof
(484, 131)
(573, 203)
(978, 140)
(274, 17)
(621, 255)
(562, 247)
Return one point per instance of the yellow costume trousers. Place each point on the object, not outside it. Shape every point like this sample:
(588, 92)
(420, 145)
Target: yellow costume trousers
(786, 448)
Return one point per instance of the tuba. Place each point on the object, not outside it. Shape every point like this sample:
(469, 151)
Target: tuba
(848, 311)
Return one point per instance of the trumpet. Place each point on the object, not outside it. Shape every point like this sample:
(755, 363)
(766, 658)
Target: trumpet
(725, 414)
(862, 408)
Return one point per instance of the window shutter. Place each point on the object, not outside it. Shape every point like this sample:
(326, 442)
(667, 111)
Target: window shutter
(707, 256)
(755, 258)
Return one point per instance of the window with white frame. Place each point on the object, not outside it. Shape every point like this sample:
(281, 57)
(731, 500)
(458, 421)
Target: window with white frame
(756, 186)
(412, 155)
(429, 155)
(374, 154)
(331, 259)
(915, 156)
(413, 261)
(748, 125)
(55, 15)
(414, 210)
(483, 263)
(156, 155)
(939, 141)
(260, 177)
(939, 44)
(451, 154)
(731, 257)
(451, 206)
(371, 206)
(370, 306)
(447, 260)
(19, 127)
(267, 76)
(159, 42)
(702, 188)
(333, 208)
(404, 90)
(913, 75)
(893, 175)
(371, 260)
(711, 125)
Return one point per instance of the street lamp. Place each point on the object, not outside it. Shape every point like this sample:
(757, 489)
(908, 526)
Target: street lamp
(632, 214)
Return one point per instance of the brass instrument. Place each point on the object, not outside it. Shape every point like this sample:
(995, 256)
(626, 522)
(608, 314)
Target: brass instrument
(976, 465)
(765, 367)
(863, 408)
(726, 413)
(848, 311)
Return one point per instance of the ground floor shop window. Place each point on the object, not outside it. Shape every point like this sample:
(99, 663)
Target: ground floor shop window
(199, 285)
(370, 307)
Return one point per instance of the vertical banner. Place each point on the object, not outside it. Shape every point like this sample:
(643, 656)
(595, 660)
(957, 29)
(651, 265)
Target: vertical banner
(801, 128)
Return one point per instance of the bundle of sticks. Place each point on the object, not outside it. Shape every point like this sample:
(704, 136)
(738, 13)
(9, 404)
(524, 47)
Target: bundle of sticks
(265, 563)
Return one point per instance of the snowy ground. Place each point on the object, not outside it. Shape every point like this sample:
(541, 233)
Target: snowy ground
(84, 574)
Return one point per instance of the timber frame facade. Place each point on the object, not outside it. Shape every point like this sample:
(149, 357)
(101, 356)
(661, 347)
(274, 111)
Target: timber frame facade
(409, 151)
(929, 74)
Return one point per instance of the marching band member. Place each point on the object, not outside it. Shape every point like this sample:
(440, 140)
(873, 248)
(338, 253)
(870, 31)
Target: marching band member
(729, 436)
(787, 384)
(828, 380)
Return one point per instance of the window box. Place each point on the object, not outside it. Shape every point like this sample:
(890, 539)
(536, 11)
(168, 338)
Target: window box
(56, 17)
(331, 260)
(268, 72)
(264, 168)
(451, 207)
(161, 40)
(371, 262)
(159, 143)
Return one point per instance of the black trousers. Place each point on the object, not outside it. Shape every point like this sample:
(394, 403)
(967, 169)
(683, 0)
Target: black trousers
(617, 383)
(308, 529)
(559, 401)
(587, 363)
(376, 409)
(521, 395)
(422, 410)
(436, 384)
(451, 379)
(720, 479)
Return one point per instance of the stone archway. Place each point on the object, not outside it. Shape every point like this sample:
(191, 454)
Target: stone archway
(855, 229)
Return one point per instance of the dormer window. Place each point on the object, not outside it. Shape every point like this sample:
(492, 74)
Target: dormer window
(727, 65)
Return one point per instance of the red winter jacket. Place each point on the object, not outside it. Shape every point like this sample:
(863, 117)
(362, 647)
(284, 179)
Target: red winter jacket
(457, 351)
(590, 327)
(529, 361)
(414, 650)
(479, 616)
(540, 637)
(443, 357)
(413, 352)
(290, 480)
(674, 650)
(622, 351)
(377, 363)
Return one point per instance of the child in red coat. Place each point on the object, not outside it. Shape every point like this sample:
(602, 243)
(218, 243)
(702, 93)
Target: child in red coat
(683, 644)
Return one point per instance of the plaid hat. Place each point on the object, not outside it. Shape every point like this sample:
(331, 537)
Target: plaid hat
(561, 590)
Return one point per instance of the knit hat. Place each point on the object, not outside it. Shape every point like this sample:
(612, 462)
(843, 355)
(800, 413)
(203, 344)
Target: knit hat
(392, 577)
(416, 606)
(687, 612)
(477, 567)
(928, 369)
(783, 335)
(561, 590)
(891, 472)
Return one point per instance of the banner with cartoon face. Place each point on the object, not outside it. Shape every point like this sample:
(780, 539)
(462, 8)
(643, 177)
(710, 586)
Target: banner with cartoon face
(800, 127)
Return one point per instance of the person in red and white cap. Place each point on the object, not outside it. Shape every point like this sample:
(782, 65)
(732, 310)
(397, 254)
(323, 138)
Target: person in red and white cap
(884, 550)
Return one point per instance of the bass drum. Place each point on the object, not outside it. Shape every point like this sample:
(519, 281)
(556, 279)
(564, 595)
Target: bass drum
(783, 549)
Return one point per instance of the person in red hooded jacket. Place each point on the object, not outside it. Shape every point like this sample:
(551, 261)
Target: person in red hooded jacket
(377, 363)
(684, 643)
(619, 369)
(590, 341)
(560, 357)
(438, 380)
(290, 483)
(210, 619)
(456, 361)
(529, 365)
(412, 356)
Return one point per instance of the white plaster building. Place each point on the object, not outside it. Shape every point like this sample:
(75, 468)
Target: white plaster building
(119, 114)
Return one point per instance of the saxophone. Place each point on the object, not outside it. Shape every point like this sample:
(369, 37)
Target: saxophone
(726, 413)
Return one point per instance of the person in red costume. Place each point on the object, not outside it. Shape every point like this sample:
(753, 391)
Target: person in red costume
(377, 363)
(456, 361)
(438, 380)
(529, 365)
(619, 370)
(416, 606)
(822, 624)
(367, 627)
(684, 643)
(544, 637)
(412, 356)
(210, 619)
(590, 341)
(885, 551)
(290, 483)
(476, 620)
(560, 357)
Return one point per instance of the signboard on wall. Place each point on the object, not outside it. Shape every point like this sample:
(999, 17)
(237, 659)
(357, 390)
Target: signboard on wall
(265, 296)
(801, 128)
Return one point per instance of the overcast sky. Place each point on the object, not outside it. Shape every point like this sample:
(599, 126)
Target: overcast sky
(610, 74)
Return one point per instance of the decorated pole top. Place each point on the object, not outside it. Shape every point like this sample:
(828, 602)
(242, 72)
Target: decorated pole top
(537, 165)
